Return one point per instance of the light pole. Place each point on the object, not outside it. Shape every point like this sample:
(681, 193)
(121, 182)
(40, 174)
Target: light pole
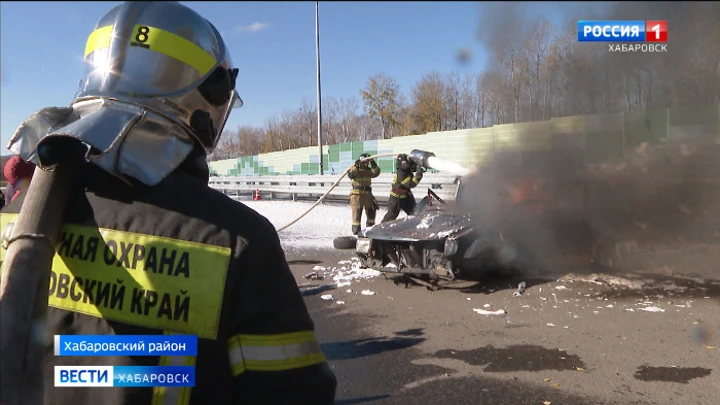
(319, 97)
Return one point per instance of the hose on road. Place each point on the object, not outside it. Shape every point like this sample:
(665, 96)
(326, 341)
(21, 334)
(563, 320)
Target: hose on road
(337, 182)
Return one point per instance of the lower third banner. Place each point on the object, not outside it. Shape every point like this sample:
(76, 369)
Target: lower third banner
(124, 376)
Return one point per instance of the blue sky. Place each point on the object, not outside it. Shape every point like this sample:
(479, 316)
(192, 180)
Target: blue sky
(276, 59)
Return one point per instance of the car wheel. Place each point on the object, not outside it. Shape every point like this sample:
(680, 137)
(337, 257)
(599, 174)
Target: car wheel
(345, 242)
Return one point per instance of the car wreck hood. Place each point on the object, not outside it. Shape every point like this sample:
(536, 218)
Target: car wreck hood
(430, 225)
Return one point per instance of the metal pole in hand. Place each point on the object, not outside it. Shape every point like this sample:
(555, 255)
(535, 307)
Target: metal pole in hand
(319, 98)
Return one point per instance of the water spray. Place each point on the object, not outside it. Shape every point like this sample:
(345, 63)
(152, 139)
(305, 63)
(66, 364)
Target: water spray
(428, 160)
(421, 158)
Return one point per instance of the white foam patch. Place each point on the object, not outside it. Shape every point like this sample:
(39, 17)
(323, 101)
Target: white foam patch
(348, 272)
(486, 312)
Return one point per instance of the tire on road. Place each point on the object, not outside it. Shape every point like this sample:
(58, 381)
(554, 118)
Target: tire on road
(345, 242)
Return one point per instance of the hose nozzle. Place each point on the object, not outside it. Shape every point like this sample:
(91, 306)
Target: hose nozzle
(420, 157)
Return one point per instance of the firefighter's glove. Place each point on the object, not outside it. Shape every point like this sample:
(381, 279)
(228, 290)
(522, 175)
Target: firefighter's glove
(372, 163)
(358, 163)
(418, 175)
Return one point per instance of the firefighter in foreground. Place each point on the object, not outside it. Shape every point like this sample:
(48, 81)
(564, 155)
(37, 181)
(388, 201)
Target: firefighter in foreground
(137, 256)
(361, 197)
(401, 196)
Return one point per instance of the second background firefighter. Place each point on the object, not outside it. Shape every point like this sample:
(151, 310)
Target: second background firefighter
(401, 196)
(361, 197)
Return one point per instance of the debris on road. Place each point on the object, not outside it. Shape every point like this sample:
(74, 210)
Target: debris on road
(486, 312)
(314, 276)
(327, 297)
(520, 289)
(607, 280)
(368, 292)
(652, 309)
(340, 302)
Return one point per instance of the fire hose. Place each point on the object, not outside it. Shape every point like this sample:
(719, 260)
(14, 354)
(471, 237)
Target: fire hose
(418, 157)
(26, 277)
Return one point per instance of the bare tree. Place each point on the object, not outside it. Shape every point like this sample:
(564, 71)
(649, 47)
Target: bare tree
(381, 100)
(537, 46)
(467, 103)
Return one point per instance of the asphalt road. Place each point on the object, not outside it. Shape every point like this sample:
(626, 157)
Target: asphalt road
(651, 339)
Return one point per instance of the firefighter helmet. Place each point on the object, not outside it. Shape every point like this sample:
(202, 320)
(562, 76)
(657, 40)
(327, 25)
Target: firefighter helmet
(166, 57)
(403, 162)
(159, 82)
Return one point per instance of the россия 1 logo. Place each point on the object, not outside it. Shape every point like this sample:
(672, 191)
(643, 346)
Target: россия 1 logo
(626, 36)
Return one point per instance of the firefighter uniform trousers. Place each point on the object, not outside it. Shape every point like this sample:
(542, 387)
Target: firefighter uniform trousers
(364, 200)
(145, 269)
(401, 196)
(361, 197)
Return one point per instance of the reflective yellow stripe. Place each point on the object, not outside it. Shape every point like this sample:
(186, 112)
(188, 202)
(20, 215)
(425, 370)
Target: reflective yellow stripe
(173, 395)
(98, 39)
(158, 40)
(406, 180)
(416, 180)
(274, 352)
(356, 223)
(398, 195)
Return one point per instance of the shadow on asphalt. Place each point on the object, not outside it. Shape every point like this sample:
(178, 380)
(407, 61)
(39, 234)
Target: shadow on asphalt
(363, 400)
(681, 375)
(300, 262)
(359, 348)
(515, 358)
(317, 289)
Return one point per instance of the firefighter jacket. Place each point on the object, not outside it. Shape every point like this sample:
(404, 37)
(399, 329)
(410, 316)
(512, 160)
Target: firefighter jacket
(361, 178)
(152, 260)
(403, 182)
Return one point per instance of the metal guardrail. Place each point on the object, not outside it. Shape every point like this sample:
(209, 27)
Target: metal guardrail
(294, 186)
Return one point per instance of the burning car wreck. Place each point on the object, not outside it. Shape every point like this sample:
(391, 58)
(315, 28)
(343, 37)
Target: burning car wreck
(529, 227)
(558, 216)
(437, 243)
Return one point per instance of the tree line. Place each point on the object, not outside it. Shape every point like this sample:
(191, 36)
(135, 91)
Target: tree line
(536, 71)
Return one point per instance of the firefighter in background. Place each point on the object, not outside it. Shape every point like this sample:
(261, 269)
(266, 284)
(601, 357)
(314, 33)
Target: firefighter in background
(18, 174)
(152, 120)
(401, 196)
(361, 197)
